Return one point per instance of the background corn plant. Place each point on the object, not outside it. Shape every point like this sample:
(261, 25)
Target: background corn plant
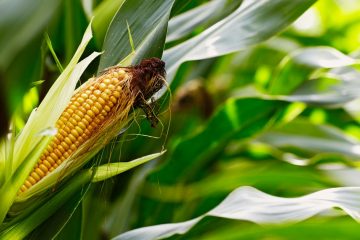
(264, 100)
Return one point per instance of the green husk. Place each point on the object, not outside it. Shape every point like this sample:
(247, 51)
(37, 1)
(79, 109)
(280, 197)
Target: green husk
(23, 151)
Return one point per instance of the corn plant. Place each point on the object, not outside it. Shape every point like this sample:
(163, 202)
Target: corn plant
(236, 114)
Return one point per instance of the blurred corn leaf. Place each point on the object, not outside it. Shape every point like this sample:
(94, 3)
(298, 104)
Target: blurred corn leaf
(21, 26)
(75, 24)
(20, 23)
(318, 76)
(183, 24)
(342, 228)
(296, 68)
(247, 203)
(225, 177)
(312, 138)
(252, 23)
(236, 119)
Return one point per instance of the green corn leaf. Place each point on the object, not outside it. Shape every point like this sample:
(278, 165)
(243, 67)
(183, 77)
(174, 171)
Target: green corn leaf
(234, 33)
(250, 204)
(237, 118)
(210, 12)
(142, 17)
(112, 169)
(21, 229)
(40, 213)
(312, 138)
(11, 187)
(103, 15)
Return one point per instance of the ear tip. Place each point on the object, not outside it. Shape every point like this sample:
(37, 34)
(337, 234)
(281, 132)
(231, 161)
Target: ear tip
(153, 62)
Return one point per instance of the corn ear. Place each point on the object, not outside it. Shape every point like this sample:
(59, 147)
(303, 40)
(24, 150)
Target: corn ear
(88, 111)
(95, 114)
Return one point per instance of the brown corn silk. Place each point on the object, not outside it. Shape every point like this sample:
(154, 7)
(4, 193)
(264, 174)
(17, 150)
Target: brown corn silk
(94, 107)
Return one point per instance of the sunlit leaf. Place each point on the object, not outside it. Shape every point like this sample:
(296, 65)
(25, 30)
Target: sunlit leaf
(333, 88)
(322, 57)
(252, 23)
(347, 176)
(313, 138)
(185, 23)
(250, 204)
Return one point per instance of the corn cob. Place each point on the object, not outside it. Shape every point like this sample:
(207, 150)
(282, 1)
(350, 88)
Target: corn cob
(94, 106)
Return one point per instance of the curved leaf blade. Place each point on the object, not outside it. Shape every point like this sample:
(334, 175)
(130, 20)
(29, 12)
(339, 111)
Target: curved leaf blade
(296, 73)
(322, 57)
(250, 204)
(185, 23)
(252, 23)
(142, 17)
(313, 138)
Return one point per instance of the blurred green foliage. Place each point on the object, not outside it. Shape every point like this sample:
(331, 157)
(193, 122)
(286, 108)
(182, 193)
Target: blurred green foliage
(230, 121)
